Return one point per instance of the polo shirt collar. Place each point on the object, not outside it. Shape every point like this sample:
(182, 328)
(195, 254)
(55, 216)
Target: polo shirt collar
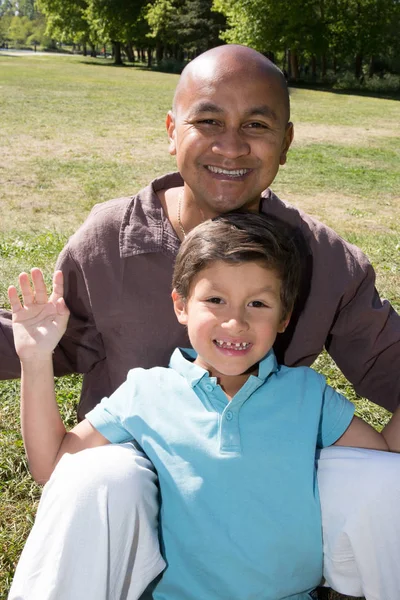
(182, 362)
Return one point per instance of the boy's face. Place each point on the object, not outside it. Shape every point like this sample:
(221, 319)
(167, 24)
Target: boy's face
(233, 315)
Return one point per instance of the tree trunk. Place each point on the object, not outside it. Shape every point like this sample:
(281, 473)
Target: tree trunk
(129, 52)
(117, 53)
(93, 52)
(159, 52)
(84, 49)
(149, 57)
(358, 65)
(143, 55)
(371, 69)
(271, 56)
(294, 65)
(324, 65)
(314, 67)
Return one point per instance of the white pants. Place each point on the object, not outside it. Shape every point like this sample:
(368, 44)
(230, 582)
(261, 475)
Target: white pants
(95, 536)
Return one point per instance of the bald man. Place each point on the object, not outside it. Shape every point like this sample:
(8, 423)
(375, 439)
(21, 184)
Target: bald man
(230, 131)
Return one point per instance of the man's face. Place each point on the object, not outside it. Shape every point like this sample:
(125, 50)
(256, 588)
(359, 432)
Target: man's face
(229, 136)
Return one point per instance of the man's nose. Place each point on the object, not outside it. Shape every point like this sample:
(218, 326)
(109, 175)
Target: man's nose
(231, 144)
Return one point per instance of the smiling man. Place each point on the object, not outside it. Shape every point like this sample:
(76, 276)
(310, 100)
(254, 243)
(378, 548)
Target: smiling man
(230, 131)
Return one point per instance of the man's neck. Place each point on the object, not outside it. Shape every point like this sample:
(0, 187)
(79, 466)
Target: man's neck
(183, 214)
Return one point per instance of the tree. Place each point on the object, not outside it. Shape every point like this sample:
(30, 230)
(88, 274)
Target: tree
(190, 24)
(114, 20)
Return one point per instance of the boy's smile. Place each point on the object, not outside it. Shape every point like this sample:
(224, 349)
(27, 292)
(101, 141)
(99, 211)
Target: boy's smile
(233, 315)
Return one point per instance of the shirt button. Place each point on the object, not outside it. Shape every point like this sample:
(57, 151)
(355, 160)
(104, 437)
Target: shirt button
(209, 387)
(229, 415)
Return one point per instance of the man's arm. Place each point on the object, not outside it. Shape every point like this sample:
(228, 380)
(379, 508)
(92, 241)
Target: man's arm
(365, 340)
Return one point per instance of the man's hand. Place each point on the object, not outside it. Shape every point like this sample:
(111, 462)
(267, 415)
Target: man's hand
(39, 322)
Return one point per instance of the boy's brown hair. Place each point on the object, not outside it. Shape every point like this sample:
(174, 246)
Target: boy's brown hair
(239, 237)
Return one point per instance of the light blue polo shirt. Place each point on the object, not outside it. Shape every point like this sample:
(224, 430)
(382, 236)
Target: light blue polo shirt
(240, 516)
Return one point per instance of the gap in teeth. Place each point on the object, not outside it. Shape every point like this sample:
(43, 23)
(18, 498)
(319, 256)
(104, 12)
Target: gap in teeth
(234, 345)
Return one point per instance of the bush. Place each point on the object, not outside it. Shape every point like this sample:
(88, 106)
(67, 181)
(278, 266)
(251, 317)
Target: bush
(347, 81)
(387, 83)
(171, 65)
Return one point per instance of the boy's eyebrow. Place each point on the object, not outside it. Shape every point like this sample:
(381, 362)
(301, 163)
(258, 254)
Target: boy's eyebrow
(214, 289)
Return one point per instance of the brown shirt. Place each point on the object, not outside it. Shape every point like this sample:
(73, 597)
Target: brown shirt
(118, 270)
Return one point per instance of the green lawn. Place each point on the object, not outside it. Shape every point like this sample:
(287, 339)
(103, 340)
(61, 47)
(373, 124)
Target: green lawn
(77, 131)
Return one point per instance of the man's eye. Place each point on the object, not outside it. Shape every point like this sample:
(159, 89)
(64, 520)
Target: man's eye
(207, 122)
(256, 125)
(257, 304)
(215, 300)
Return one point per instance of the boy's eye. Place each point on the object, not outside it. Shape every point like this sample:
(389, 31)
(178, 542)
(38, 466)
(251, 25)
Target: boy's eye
(215, 300)
(257, 304)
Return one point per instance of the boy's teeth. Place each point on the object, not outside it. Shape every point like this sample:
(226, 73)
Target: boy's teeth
(235, 345)
(231, 172)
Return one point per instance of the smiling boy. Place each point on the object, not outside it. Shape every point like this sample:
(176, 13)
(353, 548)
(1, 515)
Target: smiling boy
(232, 434)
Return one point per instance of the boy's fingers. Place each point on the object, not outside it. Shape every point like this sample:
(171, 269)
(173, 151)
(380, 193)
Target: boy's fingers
(28, 296)
(14, 299)
(39, 286)
(62, 308)
(58, 285)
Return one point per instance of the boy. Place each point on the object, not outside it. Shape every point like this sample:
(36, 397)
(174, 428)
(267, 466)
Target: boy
(211, 422)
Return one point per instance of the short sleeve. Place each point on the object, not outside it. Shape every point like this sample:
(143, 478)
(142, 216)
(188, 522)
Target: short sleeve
(108, 417)
(336, 415)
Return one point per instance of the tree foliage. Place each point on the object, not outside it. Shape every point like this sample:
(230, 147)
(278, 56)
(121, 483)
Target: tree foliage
(346, 31)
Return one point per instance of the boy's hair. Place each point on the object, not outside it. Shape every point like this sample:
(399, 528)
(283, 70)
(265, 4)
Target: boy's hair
(239, 237)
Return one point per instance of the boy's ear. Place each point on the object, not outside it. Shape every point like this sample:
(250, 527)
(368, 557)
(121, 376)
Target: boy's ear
(284, 323)
(170, 124)
(179, 307)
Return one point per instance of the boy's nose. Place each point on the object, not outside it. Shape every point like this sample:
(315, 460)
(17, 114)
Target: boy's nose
(235, 324)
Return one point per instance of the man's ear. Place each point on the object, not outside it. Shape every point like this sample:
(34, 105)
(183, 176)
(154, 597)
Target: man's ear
(179, 307)
(170, 124)
(288, 139)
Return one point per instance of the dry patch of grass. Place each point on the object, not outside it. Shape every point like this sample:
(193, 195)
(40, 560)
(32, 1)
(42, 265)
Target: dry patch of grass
(306, 133)
(87, 132)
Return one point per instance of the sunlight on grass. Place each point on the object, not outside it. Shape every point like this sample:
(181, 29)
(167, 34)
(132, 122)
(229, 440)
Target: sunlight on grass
(76, 135)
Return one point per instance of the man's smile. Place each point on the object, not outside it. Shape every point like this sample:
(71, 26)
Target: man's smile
(236, 173)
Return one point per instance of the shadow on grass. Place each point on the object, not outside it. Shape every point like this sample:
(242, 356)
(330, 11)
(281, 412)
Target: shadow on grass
(323, 87)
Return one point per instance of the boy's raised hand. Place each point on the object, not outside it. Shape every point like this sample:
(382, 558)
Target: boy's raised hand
(39, 321)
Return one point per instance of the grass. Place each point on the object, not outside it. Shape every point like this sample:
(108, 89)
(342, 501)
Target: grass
(78, 131)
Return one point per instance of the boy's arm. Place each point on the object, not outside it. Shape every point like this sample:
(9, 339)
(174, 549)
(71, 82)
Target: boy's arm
(361, 435)
(38, 324)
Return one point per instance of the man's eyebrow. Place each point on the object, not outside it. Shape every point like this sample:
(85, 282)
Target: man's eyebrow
(209, 107)
(264, 110)
(206, 107)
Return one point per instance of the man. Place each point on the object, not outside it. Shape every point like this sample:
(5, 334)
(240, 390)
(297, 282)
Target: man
(230, 131)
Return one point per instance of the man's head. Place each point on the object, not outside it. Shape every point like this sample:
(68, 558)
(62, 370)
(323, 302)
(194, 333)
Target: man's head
(235, 282)
(229, 128)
